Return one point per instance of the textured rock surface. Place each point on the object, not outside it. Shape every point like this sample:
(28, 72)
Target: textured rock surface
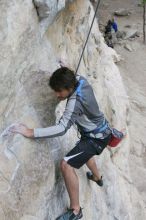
(48, 8)
(31, 186)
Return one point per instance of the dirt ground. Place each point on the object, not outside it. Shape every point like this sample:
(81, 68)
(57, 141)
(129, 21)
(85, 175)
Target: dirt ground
(133, 72)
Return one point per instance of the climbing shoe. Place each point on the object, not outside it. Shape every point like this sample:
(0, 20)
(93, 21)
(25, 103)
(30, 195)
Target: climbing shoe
(91, 177)
(69, 215)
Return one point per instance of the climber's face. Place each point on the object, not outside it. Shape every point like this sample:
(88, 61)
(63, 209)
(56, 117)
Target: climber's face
(63, 93)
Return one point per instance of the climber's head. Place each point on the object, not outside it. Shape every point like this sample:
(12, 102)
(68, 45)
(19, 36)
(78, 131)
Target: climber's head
(63, 82)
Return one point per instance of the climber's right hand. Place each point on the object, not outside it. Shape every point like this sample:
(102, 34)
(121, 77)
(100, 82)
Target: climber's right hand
(23, 130)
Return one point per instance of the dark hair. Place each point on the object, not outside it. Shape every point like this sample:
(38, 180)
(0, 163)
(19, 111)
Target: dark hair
(109, 22)
(62, 78)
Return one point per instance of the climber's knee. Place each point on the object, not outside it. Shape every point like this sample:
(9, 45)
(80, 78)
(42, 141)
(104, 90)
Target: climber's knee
(64, 166)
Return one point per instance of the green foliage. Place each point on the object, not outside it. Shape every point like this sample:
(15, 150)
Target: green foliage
(143, 2)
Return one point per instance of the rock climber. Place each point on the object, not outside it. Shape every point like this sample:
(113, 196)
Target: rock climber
(81, 109)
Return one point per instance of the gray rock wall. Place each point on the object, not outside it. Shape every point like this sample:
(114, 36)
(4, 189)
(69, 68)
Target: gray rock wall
(48, 8)
(31, 186)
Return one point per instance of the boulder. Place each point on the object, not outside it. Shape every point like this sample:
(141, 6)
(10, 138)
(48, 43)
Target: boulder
(128, 47)
(122, 12)
(132, 34)
(128, 26)
(121, 34)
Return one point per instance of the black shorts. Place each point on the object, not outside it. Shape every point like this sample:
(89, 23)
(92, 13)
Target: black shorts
(84, 150)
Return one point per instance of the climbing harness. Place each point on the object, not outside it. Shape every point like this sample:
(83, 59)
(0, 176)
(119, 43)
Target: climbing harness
(98, 3)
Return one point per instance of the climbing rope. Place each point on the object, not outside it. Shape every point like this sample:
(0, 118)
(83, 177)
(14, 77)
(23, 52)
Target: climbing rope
(98, 3)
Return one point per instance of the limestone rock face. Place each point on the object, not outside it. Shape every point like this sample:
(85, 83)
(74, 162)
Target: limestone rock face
(31, 185)
(48, 8)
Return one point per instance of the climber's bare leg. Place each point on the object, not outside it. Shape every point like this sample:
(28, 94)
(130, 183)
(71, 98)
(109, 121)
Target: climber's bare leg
(72, 185)
(91, 164)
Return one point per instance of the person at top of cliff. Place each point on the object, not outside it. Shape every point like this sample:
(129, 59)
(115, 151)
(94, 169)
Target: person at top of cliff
(81, 109)
(108, 34)
(114, 25)
(111, 25)
(108, 27)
